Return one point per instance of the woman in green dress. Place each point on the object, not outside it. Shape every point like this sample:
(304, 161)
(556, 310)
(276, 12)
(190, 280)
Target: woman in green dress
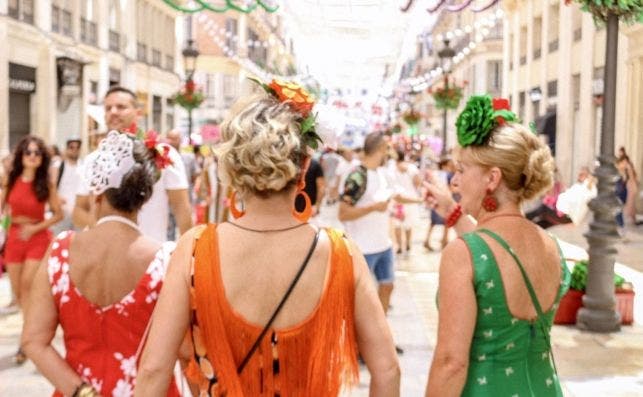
(500, 283)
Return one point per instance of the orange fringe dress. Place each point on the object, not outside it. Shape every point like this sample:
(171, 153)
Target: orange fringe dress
(316, 357)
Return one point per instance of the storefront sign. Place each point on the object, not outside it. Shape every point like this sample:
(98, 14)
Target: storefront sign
(22, 85)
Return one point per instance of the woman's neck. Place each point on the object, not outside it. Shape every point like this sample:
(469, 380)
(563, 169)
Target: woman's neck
(504, 211)
(133, 216)
(28, 174)
(269, 213)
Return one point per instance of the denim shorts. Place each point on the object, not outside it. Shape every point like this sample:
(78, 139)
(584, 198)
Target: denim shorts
(381, 265)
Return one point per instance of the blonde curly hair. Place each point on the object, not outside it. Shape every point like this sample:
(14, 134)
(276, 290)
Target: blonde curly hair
(525, 161)
(261, 151)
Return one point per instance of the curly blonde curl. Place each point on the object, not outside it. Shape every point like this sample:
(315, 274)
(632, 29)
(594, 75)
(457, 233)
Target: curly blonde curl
(261, 151)
(525, 161)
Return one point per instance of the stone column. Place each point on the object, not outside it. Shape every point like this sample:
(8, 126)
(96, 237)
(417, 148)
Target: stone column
(529, 105)
(544, 55)
(506, 56)
(515, 58)
(565, 106)
(46, 94)
(587, 121)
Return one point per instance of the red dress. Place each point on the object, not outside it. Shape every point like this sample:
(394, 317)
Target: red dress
(101, 343)
(23, 202)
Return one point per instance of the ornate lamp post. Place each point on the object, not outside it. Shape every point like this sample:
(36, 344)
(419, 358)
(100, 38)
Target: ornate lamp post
(445, 55)
(599, 304)
(190, 54)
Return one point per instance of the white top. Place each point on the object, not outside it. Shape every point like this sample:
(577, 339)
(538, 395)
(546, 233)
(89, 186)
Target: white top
(153, 217)
(371, 232)
(402, 182)
(70, 182)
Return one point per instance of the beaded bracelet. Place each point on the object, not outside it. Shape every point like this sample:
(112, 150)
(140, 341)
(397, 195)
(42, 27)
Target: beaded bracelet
(85, 390)
(453, 217)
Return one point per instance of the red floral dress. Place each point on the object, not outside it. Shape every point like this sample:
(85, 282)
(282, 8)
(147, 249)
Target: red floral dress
(102, 342)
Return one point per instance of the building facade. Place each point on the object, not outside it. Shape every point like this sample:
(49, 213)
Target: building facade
(554, 57)
(60, 56)
(233, 47)
(477, 37)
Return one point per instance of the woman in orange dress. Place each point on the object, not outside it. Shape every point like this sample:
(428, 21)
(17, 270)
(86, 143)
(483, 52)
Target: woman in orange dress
(273, 305)
(100, 285)
(24, 199)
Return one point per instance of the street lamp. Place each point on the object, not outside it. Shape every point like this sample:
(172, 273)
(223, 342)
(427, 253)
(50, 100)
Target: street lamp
(445, 55)
(599, 304)
(190, 54)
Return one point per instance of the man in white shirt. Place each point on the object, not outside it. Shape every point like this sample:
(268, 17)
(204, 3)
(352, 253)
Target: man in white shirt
(170, 191)
(363, 203)
(68, 182)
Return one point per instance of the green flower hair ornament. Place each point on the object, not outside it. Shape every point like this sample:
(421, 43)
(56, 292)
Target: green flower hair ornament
(480, 116)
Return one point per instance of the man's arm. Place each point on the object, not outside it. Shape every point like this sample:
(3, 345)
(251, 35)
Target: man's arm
(82, 215)
(321, 190)
(180, 207)
(349, 212)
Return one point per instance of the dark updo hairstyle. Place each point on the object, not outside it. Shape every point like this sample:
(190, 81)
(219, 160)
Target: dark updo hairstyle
(138, 183)
(41, 180)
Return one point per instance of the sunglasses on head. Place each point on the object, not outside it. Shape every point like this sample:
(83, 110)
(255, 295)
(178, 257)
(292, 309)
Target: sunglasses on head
(36, 153)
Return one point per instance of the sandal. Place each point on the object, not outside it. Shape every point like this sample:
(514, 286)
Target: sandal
(20, 357)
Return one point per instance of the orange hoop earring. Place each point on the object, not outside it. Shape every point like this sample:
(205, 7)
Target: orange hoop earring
(304, 215)
(236, 213)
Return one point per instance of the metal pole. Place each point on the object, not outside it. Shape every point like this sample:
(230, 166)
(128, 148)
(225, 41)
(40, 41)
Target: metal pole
(444, 118)
(190, 126)
(599, 304)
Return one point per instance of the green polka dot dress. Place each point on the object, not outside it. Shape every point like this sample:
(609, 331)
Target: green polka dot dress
(509, 357)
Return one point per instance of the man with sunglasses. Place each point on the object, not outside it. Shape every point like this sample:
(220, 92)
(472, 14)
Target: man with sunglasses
(68, 182)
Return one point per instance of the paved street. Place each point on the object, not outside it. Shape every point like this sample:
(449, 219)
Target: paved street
(589, 364)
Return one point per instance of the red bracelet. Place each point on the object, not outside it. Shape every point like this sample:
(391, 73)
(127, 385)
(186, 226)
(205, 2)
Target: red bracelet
(453, 217)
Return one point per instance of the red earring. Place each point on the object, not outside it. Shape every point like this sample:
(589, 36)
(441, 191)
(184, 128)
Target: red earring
(304, 215)
(236, 213)
(489, 203)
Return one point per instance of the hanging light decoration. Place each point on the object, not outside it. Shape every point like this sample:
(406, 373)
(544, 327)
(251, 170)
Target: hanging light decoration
(205, 5)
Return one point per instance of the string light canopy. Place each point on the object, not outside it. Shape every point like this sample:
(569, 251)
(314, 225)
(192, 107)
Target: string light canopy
(194, 6)
(452, 7)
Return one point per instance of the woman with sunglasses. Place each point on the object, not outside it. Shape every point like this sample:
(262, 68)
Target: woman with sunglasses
(24, 198)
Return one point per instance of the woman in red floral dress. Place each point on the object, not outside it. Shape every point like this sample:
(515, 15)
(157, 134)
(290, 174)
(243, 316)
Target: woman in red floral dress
(100, 285)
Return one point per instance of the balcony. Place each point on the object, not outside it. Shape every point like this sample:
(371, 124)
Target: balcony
(114, 41)
(87, 31)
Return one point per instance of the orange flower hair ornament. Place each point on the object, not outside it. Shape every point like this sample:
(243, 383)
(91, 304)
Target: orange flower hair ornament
(300, 101)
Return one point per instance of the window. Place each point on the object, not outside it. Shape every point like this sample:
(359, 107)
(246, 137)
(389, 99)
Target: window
(523, 45)
(231, 34)
(554, 16)
(169, 62)
(87, 22)
(228, 90)
(21, 10)
(210, 90)
(169, 114)
(156, 57)
(114, 26)
(552, 88)
(61, 18)
(521, 103)
(157, 112)
(537, 36)
(576, 91)
(141, 52)
(577, 23)
(494, 77)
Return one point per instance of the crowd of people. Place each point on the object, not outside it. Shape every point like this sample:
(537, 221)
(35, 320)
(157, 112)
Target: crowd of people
(265, 298)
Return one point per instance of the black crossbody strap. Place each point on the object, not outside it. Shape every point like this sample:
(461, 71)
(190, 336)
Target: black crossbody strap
(280, 306)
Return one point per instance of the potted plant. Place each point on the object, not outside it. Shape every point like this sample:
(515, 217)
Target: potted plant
(411, 117)
(572, 301)
(189, 97)
(447, 95)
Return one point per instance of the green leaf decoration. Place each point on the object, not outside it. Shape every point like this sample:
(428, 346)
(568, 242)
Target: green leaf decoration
(476, 121)
(579, 277)
(308, 124)
(629, 11)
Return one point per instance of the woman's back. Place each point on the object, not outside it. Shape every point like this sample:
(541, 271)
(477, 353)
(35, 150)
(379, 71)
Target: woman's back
(510, 352)
(310, 347)
(257, 269)
(105, 289)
